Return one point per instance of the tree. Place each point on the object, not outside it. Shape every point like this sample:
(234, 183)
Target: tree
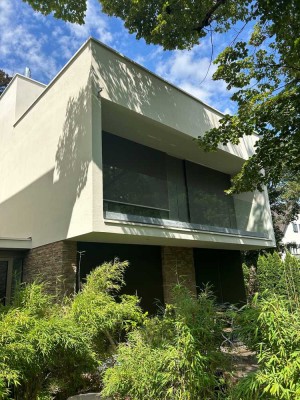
(264, 71)
(4, 80)
(285, 205)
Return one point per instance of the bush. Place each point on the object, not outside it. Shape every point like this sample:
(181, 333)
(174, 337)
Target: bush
(40, 347)
(104, 315)
(274, 276)
(53, 348)
(173, 356)
(271, 326)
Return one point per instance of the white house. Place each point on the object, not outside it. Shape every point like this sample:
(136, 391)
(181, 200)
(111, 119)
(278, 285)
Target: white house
(102, 162)
(291, 238)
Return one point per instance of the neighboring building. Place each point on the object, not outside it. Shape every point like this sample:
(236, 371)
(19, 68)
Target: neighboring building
(291, 238)
(103, 161)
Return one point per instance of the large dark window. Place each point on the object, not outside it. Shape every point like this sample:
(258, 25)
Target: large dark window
(178, 201)
(10, 276)
(222, 271)
(208, 203)
(143, 276)
(135, 178)
(147, 185)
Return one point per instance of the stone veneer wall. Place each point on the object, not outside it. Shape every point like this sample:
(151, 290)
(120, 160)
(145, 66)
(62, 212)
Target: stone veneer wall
(177, 267)
(54, 263)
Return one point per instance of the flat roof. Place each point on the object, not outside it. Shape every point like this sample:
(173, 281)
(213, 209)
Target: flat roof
(73, 58)
(17, 75)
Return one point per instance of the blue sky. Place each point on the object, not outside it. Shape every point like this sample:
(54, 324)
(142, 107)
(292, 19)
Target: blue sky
(45, 44)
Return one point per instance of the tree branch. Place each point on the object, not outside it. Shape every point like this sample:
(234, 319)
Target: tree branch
(207, 19)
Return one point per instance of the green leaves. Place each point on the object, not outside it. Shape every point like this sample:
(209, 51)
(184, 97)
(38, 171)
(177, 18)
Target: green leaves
(100, 312)
(176, 353)
(68, 10)
(34, 335)
(172, 24)
(270, 325)
(50, 346)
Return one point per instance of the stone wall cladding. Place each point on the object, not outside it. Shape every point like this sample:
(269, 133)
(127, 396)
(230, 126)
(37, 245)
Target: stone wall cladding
(178, 267)
(54, 263)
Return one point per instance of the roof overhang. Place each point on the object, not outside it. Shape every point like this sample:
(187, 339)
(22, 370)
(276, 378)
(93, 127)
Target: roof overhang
(15, 243)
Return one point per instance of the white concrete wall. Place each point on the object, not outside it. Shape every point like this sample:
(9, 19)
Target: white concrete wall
(27, 92)
(129, 85)
(293, 237)
(253, 212)
(45, 160)
(18, 96)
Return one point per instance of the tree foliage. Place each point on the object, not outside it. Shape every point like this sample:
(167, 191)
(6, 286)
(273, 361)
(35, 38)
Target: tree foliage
(284, 200)
(264, 71)
(34, 334)
(275, 275)
(68, 10)
(4, 80)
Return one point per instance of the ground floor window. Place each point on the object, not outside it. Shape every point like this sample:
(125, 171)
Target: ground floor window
(10, 277)
(144, 275)
(222, 270)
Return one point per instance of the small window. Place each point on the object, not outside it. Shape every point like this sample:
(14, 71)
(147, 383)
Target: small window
(10, 276)
(295, 227)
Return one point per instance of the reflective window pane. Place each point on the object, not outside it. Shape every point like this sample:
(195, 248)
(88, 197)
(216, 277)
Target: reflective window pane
(178, 203)
(208, 203)
(134, 174)
(141, 181)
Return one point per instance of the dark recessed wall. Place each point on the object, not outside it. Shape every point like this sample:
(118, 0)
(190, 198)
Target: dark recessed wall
(144, 275)
(223, 270)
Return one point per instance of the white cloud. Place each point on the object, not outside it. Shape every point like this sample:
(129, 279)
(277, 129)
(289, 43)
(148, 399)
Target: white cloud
(192, 71)
(45, 44)
(28, 38)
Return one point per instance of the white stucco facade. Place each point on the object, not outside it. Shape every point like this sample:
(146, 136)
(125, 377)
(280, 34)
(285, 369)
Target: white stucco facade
(291, 238)
(51, 154)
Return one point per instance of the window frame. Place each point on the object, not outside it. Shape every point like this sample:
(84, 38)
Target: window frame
(295, 227)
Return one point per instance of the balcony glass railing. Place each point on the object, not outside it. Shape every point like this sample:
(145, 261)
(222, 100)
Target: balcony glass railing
(245, 219)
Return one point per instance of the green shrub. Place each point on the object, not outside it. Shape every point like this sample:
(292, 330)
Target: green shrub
(173, 356)
(271, 326)
(40, 346)
(274, 275)
(52, 347)
(104, 315)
